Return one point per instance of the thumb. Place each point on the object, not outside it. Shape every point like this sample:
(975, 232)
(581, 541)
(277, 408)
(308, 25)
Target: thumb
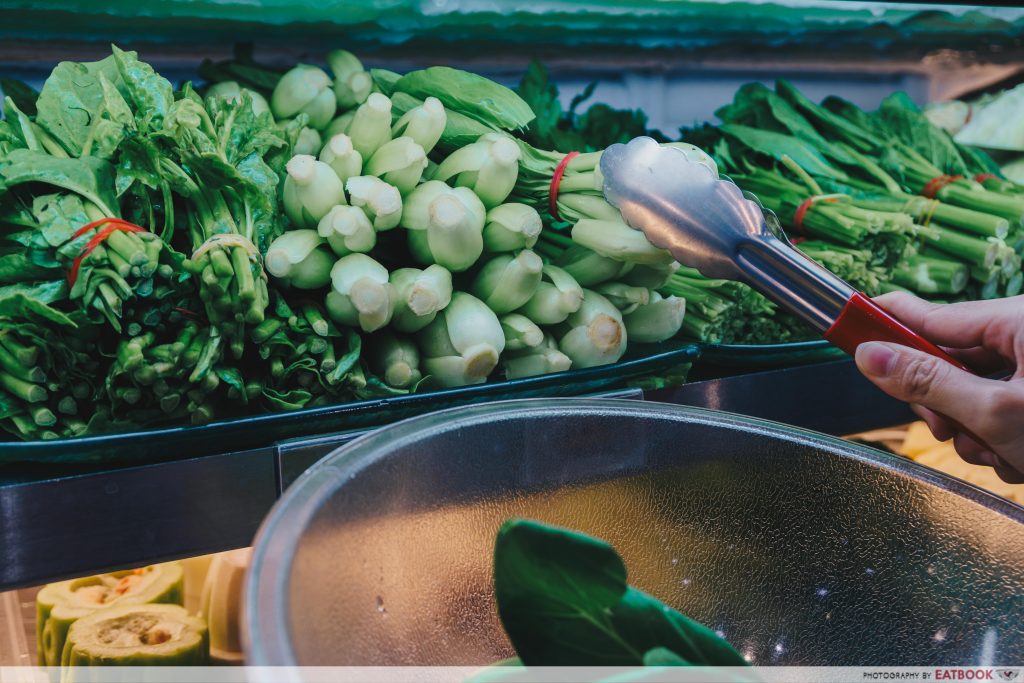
(917, 377)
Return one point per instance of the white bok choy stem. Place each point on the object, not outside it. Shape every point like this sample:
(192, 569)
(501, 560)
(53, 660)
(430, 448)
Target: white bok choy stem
(311, 189)
(360, 293)
(542, 359)
(342, 157)
(575, 206)
(488, 166)
(371, 125)
(304, 90)
(651, 277)
(445, 225)
(339, 125)
(297, 257)
(618, 241)
(521, 333)
(308, 142)
(463, 343)
(590, 268)
(347, 230)
(352, 83)
(511, 227)
(557, 296)
(424, 124)
(419, 295)
(381, 202)
(594, 335)
(506, 282)
(624, 297)
(657, 321)
(399, 162)
(395, 359)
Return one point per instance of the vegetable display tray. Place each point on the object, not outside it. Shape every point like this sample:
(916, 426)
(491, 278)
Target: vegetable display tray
(726, 359)
(170, 443)
(801, 549)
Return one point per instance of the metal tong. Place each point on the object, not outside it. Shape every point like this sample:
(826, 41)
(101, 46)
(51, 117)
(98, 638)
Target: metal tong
(706, 222)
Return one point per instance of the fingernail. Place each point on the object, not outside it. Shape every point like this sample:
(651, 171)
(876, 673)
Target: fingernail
(875, 358)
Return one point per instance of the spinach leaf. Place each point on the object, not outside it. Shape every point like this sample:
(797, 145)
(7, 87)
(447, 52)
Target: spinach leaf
(89, 177)
(832, 126)
(59, 216)
(18, 129)
(241, 130)
(233, 378)
(30, 302)
(22, 94)
(293, 399)
(475, 96)
(541, 94)
(563, 600)
(17, 267)
(72, 97)
(149, 92)
(777, 145)
(138, 160)
(901, 116)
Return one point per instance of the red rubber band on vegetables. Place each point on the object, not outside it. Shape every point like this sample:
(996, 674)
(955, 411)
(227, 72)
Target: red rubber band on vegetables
(801, 211)
(116, 225)
(556, 180)
(933, 186)
(982, 177)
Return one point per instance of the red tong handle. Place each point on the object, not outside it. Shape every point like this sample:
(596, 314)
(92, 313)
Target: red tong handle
(862, 320)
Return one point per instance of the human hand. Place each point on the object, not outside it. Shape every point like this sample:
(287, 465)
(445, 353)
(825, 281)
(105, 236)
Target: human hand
(988, 337)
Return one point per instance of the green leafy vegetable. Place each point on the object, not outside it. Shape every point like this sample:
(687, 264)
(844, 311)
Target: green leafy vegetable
(564, 601)
(474, 96)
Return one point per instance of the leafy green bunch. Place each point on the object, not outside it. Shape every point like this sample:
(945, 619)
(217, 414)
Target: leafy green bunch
(72, 171)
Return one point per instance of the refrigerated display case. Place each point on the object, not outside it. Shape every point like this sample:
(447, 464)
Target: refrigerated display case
(677, 61)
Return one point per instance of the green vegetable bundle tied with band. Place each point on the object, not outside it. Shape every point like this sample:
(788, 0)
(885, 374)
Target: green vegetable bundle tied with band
(889, 200)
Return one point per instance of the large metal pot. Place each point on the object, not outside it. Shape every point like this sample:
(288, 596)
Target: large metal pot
(802, 549)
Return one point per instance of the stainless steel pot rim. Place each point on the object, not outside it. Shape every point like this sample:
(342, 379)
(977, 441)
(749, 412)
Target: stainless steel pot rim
(266, 585)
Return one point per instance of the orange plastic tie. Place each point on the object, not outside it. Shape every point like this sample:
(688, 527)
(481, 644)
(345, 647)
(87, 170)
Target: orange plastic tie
(556, 180)
(115, 225)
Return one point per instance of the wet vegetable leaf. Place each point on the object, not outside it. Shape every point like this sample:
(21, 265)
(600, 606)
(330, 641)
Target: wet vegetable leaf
(563, 600)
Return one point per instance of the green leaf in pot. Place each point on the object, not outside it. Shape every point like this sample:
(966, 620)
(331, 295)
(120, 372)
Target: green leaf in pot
(564, 601)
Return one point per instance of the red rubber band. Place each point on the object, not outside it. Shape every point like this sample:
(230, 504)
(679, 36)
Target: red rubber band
(556, 180)
(982, 177)
(933, 186)
(801, 211)
(116, 225)
(185, 311)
